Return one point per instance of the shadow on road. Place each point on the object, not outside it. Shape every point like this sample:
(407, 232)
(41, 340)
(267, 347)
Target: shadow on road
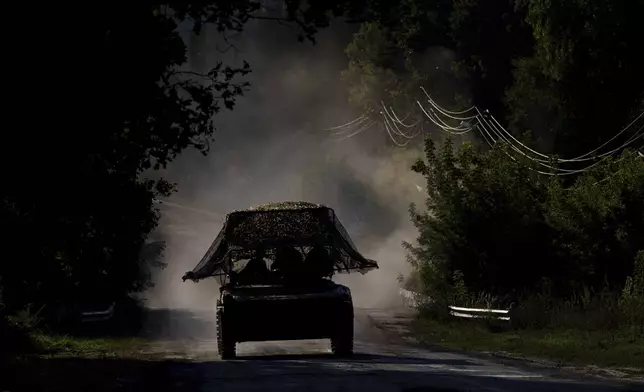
(172, 324)
(273, 373)
(357, 358)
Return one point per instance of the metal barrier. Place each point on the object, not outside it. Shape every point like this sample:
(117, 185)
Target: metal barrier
(411, 299)
(103, 315)
(498, 314)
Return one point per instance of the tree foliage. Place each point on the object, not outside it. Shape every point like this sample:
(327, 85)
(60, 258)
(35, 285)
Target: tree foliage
(115, 104)
(80, 228)
(505, 228)
(485, 36)
(569, 73)
(370, 71)
(600, 221)
(586, 64)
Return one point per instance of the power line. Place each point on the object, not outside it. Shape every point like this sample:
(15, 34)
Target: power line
(359, 131)
(399, 121)
(487, 128)
(357, 120)
(453, 115)
(395, 123)
(490, 129)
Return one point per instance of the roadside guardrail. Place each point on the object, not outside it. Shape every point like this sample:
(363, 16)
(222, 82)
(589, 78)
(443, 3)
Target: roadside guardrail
(102, 315)
(498, 314)
(412, 300)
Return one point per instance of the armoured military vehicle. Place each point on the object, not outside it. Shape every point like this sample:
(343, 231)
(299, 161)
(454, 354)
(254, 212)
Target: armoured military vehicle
(275, 264)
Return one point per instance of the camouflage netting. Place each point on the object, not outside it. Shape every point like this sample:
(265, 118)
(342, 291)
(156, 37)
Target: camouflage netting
(275, 225)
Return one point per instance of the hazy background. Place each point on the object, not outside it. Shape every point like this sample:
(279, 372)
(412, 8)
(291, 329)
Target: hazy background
(273, 147)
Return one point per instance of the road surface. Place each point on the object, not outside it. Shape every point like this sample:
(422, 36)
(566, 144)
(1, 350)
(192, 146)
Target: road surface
(382, 363)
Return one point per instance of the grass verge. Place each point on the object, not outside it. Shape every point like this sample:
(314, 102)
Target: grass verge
(57, 346)
(617, 350)
(70, 364)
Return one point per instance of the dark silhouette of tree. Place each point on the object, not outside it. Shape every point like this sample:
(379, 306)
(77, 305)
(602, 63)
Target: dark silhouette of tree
(113, 104)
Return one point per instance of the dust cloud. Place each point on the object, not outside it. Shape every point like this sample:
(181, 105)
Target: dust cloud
(272, 147)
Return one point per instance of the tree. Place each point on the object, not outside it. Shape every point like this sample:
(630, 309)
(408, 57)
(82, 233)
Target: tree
(566, 73)
(386, 54)
(483, 219)
(119, 105)
(599, 222)
(372, 55)
(585, 75)
(489, 36)
(485, 37)
(503, 227)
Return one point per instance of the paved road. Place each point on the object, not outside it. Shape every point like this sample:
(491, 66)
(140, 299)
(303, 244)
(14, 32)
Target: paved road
(381, 363)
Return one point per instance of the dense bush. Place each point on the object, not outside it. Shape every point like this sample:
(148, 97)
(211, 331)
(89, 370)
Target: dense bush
(493, 225)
